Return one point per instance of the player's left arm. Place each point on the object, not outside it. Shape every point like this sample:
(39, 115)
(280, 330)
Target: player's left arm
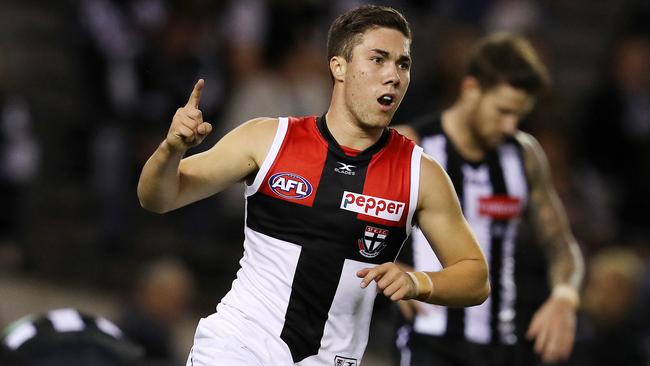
(553, 325)
(463, 281)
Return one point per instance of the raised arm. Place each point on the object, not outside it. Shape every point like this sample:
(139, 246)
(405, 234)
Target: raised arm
(464, 278)
(168, 181)
(553, 326)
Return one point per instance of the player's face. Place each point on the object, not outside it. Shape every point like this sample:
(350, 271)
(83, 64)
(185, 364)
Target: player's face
(498, 113)
(377, 77)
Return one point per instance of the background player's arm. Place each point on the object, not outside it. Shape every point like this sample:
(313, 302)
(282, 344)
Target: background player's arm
(553, 325)
(550, 219)
(168, 181)
(463, 281)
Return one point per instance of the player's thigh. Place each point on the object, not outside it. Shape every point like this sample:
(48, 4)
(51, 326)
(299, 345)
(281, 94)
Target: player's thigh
(218, 352)
(214, 348)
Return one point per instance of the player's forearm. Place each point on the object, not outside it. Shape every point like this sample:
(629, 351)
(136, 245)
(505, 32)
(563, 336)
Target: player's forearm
(563, 253)
(159, 184)
(464, 283)
(550, 220)
(567, 265)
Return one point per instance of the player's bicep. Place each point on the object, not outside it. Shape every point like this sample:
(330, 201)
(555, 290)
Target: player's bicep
(548, 215)
(233, 158)
(440, 217)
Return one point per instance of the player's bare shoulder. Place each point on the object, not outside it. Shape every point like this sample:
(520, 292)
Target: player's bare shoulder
(535, 161)
(435, 185)
(431, 169)
(256, 136)
(408, 132)
(259, 128)
(261, 125)
(526, 140)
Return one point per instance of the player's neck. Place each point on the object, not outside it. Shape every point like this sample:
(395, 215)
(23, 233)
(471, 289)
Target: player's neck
(456, 124)
(348, 131)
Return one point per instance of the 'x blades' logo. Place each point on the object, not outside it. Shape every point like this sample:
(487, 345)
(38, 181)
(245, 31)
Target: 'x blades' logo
(345, 168)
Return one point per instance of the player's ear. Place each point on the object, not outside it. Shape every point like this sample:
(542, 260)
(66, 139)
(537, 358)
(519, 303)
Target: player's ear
(337, 68)
(470, 88)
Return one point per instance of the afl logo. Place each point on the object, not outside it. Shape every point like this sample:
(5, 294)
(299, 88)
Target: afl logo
(289, 185)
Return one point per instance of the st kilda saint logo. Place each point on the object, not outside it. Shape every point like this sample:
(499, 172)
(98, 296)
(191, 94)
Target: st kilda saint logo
(373, 241)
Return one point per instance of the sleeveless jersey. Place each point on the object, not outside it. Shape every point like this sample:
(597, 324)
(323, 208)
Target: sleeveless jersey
(314, 217)
(493, 195)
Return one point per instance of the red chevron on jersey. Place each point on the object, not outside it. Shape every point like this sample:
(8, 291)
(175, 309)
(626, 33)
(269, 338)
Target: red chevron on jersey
(398, 188)
(295, 174)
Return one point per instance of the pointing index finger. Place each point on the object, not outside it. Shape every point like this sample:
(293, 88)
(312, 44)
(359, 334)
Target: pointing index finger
(195, 97)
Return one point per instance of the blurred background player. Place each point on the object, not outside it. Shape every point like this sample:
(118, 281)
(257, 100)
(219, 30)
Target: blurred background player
(162, 294)
(67, 337)
(501, 176)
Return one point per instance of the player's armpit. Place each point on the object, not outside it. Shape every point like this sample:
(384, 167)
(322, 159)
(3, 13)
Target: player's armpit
(464, 278)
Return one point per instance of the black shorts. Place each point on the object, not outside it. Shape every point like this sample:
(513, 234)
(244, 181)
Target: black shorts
(425, 350)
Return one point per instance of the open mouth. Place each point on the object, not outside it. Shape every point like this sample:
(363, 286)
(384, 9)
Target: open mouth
(386, 99)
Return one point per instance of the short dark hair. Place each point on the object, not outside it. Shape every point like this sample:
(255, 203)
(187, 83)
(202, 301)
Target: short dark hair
(346, 30)
(506, 58)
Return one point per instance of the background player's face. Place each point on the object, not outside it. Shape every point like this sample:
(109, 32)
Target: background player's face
(497, 114)
(377, 76)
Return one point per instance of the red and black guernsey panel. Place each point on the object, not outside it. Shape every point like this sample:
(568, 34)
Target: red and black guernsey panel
(336, 206)
(296, 172)
(391, 196)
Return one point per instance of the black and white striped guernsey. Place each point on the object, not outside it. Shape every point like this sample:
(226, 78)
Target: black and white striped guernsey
(493, 194)
(67, 337)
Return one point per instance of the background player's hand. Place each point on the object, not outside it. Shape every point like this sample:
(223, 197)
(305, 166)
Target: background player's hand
(553, 329)
(391, 280)
(187, 128)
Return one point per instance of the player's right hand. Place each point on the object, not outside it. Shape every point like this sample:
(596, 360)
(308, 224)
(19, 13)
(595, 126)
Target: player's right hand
(187, 128)
(391, 280)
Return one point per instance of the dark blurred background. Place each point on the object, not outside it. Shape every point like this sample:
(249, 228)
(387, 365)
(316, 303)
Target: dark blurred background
(88, 89)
